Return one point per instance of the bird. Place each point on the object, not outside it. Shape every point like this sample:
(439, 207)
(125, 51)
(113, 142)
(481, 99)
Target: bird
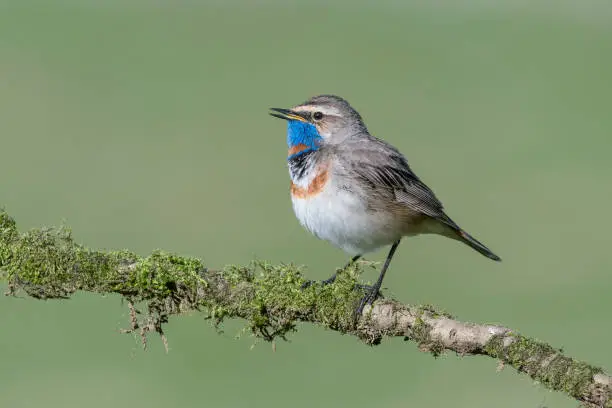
(357, 191)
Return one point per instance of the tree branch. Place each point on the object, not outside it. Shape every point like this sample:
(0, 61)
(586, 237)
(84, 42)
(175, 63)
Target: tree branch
(48, 264)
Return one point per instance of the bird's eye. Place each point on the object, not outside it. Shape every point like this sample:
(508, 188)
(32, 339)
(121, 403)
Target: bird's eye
(317, 115)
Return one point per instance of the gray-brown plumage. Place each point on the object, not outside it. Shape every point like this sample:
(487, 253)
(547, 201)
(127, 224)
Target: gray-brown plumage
(357, 191)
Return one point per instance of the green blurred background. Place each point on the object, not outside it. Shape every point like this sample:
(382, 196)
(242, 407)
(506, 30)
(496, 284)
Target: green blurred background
(144, 125)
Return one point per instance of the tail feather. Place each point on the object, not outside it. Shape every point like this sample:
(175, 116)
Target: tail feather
(475, 244)
(450, 229)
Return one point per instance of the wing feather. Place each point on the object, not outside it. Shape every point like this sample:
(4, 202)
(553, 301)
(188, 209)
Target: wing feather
(386, 172)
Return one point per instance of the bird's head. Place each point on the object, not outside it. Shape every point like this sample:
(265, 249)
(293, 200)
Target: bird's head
(323, 119)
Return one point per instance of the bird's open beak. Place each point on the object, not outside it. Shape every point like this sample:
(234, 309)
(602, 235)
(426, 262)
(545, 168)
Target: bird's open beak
(286, 114)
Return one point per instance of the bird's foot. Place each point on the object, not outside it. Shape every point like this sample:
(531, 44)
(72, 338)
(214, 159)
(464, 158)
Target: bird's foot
(327, 281)
(332, 278)
(363, 288)
(309, 283)
(370, 296)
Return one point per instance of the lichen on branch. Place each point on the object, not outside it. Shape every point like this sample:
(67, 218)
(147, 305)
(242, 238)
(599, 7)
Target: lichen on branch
(47, 263)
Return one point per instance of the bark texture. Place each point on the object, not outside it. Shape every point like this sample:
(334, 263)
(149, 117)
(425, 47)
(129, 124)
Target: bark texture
(47, 264)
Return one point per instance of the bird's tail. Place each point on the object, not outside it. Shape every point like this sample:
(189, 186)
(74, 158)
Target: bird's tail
(475, 244)
(444, 225)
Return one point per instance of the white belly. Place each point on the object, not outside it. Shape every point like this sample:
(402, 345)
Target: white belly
(340, 217)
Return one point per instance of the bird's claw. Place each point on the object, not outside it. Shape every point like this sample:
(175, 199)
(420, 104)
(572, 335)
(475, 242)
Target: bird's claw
(327, 281)
(371, 295)
(308, 284)
(363, 288)
(371, 292)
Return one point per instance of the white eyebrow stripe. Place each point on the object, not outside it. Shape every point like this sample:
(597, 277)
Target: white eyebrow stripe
(327, 110)
(304, 108)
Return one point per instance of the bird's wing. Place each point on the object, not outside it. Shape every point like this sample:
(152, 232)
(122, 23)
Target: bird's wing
(407, 189)
(385, 170)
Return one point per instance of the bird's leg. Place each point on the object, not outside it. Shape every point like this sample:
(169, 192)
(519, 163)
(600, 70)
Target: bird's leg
(372, 294)
(332, 278)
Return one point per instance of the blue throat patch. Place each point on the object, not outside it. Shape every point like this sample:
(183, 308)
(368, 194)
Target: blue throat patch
(301, 133)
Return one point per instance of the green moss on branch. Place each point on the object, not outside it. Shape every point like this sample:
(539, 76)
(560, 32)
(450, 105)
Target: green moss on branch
(47, 263)
(544, 363)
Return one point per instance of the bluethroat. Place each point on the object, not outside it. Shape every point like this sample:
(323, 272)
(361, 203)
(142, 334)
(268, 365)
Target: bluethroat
(357, 191)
